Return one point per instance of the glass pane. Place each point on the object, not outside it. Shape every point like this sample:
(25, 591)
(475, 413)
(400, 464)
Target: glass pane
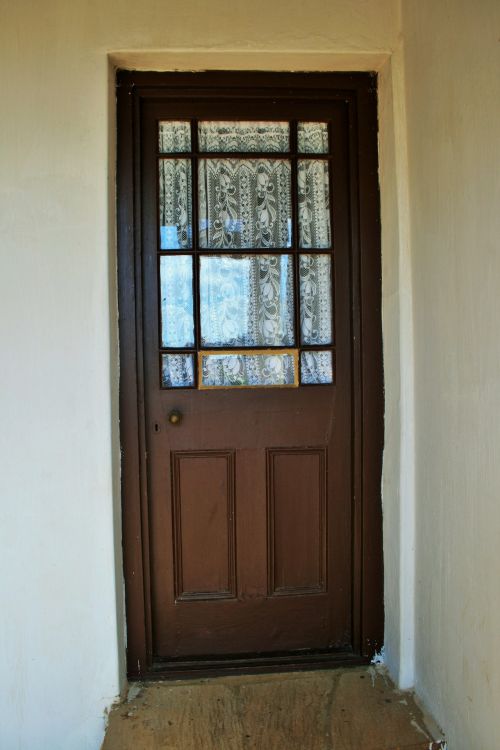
(312, 137)
(226, 370)
(176, 287)
(175, 204)
(244, 136)
(245, 203)
(177, 370)
(316, 367)
(174, 135)
(314, 203)
(315, 279)
(246, 300)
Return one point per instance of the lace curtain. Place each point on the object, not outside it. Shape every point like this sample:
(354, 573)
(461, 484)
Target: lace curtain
(314, 204)
(245, 136)
(312, 137)
(248, 136)
(316, 367)
(248, 369)
(244, 203)
(246, 300)
(175, 204)
(177, 370)
(174, 136)
(315, 281)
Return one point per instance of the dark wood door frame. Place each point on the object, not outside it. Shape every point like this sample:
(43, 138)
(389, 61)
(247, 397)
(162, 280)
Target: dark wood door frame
(359, 93)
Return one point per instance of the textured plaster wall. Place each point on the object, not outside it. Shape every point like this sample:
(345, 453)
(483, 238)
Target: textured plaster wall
(398, 481)
(453, 96)
(61, 641)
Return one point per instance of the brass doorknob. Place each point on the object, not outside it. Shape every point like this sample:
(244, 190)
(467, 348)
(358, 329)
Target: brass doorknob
(174, 417)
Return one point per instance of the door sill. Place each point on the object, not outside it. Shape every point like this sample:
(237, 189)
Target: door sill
(175, 669)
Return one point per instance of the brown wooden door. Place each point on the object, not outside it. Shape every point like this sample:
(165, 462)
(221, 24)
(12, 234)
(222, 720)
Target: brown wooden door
(249, 374)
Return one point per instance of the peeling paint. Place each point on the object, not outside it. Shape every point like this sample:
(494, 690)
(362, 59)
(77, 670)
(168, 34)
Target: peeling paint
(379, 656)
(417, 726)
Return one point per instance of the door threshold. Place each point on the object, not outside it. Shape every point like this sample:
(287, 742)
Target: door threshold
(174, 669)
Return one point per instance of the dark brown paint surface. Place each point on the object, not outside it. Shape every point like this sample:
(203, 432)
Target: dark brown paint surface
(249, 511)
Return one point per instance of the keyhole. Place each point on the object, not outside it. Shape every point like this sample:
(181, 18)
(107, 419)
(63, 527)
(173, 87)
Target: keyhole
(157, 427)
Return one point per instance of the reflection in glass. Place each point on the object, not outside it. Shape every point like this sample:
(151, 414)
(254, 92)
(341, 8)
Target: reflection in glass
(246, 136)
(312, 137)
(226, 370)
(314, 203)
(176, 289)
(246, 300)
(315, 282)
(177, 370)
(316, 367)
(173, 136)
(244, 203)
(175, 204)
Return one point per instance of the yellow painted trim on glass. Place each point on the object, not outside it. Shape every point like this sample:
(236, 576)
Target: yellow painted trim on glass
(224, 352)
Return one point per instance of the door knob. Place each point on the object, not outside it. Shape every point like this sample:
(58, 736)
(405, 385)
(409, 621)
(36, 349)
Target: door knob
(174, 417)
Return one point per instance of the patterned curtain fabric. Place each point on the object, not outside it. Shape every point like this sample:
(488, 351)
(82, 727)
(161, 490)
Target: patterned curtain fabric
(245, 136)
(177, 370)
(176, 231)
(246, 300)
(315, 299)
(314, 204)
(316, 367)
(248, 369)
(174, 136)
(244, 203)
(312, 137)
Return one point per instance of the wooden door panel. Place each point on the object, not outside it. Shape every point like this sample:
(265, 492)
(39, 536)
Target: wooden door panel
(297, 521)
(223, 628)
(204, 526)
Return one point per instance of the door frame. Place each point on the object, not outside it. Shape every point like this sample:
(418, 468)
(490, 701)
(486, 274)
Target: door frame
(359, 92)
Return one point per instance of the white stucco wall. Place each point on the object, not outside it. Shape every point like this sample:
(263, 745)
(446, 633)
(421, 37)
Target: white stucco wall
(61, 644)
(453, 97)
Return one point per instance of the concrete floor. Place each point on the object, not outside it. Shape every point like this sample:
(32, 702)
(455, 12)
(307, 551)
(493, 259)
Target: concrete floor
(349, 709)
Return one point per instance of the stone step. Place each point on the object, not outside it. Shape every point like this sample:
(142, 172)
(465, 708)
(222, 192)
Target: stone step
(342, 709)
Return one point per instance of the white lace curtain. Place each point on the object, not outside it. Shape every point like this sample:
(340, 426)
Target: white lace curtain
(248, 369)
(246, 203)
(246, 300)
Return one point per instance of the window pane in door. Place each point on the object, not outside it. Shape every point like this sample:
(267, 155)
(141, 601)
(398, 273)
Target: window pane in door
(245, 136)
(174, 136)
(244, 203)
(246, 300)
(312, 137)
(177, 370)
(175, 204)
(316, 367)
(314, 203)
(176, 289)
(315, 282)
(247, 369)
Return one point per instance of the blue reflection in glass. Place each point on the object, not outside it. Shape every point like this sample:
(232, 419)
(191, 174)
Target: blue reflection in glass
(176, 287)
